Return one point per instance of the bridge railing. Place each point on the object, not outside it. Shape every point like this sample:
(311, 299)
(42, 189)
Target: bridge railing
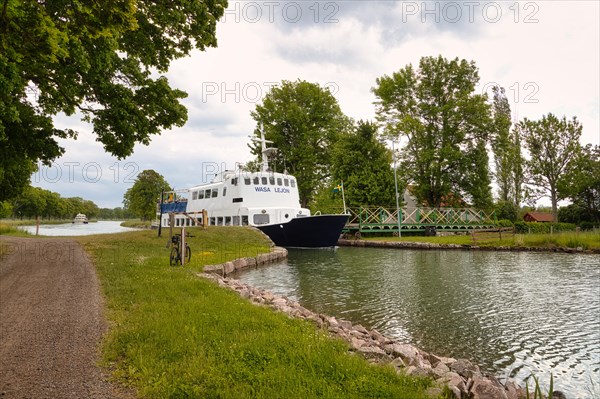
(372, 216)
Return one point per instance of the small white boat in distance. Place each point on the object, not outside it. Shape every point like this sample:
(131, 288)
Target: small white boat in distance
(80, 218)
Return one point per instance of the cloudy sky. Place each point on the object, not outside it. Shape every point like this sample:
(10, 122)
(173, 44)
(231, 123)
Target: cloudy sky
(545, 53)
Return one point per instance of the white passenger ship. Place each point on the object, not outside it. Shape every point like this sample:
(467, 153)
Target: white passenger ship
(265, 199)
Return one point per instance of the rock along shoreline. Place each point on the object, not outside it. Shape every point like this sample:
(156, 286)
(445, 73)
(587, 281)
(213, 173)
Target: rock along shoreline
(462, 377)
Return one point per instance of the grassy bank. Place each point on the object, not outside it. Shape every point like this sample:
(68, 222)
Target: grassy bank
(31, 222)
(175, 335)
(585, 240)
(11, 229)
(137, 224)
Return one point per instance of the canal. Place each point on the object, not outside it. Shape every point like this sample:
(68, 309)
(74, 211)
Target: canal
(513, 313)
(78, 229)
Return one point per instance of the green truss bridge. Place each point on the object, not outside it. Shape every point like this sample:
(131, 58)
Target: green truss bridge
(379, 220)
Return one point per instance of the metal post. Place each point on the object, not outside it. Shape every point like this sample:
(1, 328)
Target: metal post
(343, 198)
(182, 249)
(162, 194)
(397, 195)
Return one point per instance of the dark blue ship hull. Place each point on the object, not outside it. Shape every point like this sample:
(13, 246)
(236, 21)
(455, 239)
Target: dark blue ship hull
(307, 232)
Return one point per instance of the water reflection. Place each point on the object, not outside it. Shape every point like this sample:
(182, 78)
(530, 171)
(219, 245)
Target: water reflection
(513, 313)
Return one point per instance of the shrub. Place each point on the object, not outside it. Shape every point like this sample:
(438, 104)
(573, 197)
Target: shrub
(505, 223)
(586, 226)
(542, 228)
(506, 210)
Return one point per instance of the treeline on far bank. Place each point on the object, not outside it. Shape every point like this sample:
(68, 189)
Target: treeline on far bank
(46, 204)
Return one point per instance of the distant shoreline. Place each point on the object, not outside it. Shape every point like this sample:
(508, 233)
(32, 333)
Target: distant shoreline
(436, 246)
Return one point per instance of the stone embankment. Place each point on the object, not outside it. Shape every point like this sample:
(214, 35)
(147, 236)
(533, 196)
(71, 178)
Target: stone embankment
(462, 377)
(428, 245)
(276, 254)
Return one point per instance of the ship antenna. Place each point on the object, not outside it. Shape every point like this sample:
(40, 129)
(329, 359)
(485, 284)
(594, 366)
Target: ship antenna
(266, 152)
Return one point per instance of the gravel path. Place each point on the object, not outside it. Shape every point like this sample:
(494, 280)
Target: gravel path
(51, 322)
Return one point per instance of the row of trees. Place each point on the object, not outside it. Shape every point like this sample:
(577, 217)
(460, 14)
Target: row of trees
(139, 201)
(448, 133)
(35, 201)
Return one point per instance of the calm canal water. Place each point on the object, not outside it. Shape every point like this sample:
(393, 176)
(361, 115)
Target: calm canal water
(72, 229)
(513, 313)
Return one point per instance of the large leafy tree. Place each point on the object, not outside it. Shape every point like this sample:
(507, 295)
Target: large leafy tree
(141, 198)
(444, 123)
(303, 120)
(582, 184)
(99, 59)
(553, 145)
(363, 163)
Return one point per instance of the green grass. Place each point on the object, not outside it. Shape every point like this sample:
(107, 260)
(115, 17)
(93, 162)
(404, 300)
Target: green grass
(9, 229)
(31, 222)
(136, 223)
(175, 335)
(585, 240)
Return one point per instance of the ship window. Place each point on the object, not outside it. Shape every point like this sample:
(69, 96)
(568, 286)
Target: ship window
(207, 193)
(195, 195)
(245, 220)
(256, 181)
(247, 181)
(261, 218)
(215, 192)
(199, 223)
(201, 194)
(224, 191)
(272, 181)
(220, 221)
(279, 181)
(286, 182)
(236, 220)
(293, 183)
(234, 181)
(264, 180)
(238, 200)
(212, 221)
(227, 220)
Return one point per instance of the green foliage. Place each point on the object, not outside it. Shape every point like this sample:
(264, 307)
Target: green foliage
(95, 58)
(363, 163)
(142, 197)
(582, 184)
(446, 125)
(537, 393)
(507, 210)
(174, 334)
(543, 228)
(303, 120)
(505, 223)
(506, 147)
(6, 209)
(35, 201)
(115, 214)
(553, 145)
(587, 226)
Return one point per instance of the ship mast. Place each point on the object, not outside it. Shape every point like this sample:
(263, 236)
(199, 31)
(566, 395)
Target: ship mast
(266, 152)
